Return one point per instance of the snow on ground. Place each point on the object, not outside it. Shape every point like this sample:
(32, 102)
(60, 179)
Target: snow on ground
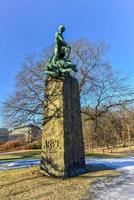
(114, 188)
(109, 188)
(22, 163)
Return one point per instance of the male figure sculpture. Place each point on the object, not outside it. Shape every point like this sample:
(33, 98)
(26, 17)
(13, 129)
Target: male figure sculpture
(60, 64)
(62, 49)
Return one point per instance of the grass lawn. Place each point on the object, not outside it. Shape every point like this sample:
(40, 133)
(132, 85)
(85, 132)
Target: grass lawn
(30, 184)
(37, 153)
(20, 155)
(107, 155)
(116, 152)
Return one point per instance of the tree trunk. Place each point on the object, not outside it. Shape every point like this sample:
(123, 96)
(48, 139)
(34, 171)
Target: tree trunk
(129, 136)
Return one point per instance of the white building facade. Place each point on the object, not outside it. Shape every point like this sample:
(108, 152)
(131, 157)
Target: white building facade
(27, 133)
(4, 135)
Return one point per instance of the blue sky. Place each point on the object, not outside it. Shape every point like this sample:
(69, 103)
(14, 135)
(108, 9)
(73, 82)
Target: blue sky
(28, 26)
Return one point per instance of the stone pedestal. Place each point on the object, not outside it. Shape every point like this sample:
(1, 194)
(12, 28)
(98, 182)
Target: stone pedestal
(62, 139)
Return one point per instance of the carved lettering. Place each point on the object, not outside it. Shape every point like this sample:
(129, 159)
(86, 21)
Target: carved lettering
(51, 144)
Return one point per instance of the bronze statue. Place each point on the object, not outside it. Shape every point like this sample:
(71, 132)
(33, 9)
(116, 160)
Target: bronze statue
(60, 64)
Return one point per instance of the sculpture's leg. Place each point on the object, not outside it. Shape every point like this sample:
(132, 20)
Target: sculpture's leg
(56, 52)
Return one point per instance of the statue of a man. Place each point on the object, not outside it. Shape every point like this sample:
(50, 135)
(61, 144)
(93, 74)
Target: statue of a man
(60, 63)
(62, 49)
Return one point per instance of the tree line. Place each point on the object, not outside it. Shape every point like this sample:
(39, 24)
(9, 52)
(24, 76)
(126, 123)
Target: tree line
(114, 129)
(106, 99)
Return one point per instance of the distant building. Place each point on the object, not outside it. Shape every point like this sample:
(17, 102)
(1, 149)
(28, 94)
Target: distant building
(4, 135)
(27, 133)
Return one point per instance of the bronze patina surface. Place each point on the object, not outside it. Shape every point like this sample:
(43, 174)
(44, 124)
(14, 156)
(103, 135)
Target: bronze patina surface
(60, 62)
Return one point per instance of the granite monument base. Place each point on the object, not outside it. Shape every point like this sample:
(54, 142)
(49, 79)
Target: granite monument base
(62, 137)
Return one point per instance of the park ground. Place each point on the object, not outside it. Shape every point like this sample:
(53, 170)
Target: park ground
(29, 183)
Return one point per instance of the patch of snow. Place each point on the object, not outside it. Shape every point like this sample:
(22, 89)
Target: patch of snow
(19, 164)
(114, 188)
(113, 163)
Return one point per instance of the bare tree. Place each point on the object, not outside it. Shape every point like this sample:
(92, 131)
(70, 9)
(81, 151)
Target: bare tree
(100, 89)
(25, 105)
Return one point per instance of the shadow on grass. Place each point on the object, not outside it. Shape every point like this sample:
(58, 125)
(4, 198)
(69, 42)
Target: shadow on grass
(23, 185)
(44, 182)
(87, 173)
(21, 180)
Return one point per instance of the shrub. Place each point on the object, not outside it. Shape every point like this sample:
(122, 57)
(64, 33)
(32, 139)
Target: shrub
(36, 145)
(10, 145)
(17, 145)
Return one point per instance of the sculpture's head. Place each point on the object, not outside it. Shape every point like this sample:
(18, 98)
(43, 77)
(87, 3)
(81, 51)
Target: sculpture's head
(61, 28)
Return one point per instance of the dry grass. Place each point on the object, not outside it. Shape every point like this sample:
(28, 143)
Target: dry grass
(29, 184)
(112, 152)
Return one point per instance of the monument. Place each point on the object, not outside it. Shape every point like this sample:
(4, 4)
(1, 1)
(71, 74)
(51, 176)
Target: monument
(62, 137)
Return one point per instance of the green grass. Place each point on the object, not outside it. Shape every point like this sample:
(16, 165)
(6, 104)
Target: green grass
(100, 155)
(20, 155)
(37, 154)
